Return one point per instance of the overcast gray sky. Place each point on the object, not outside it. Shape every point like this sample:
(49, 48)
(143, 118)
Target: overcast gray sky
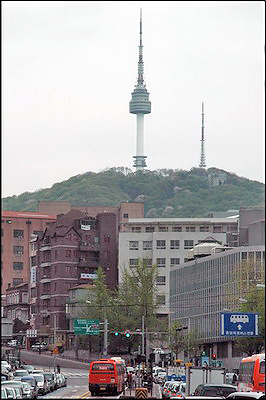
(69, 68)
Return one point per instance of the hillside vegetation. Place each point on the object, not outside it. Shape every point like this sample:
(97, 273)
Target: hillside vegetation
(165, 192)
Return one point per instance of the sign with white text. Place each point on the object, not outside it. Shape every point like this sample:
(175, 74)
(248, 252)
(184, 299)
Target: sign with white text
(239, 324)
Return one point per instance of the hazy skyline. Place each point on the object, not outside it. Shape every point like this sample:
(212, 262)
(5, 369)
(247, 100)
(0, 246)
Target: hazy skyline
(68, 70)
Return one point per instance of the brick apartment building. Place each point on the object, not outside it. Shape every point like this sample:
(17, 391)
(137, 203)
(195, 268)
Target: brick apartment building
(68, 253)
(16, 230)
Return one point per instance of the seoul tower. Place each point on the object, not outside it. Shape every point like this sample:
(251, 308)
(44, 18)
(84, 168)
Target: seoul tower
(140, 105)
(202, 163)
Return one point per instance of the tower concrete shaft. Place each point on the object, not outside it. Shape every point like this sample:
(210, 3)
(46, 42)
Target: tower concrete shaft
(202, 163)
(140, 105)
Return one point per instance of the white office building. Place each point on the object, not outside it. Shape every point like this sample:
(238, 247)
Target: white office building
(166, 242)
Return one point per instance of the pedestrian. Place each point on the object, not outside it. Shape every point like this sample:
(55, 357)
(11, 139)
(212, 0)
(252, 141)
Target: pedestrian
(234, 380)
(58, 368)
(129, 380)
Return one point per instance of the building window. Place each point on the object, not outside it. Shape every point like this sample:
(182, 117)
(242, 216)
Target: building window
(190, 228)
(2, 232)
(160, 262)
(149, 229)
(160, 244)
(163, 228)
(188, 244)
(133, 245)
(160, 280)
(125, 215)
(176, 228)
(68, 253)
(217, 229)
(148, 262)
(133, 262)
(135, 229)
(55, 254)
(174, 261)
(258, 256)
(18, 250)
(160, 299)
(17, 233)
(147, 245)
(174, 244)
(244, 256)
(17, 266)
(17, 281)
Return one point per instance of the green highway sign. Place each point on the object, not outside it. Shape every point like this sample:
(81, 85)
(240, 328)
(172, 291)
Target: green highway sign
(86, 327)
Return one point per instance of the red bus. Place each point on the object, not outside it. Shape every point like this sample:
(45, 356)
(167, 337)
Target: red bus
(252, 374)
(106, 376)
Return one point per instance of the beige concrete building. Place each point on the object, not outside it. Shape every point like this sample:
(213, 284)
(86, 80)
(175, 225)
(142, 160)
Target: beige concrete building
(166, 242)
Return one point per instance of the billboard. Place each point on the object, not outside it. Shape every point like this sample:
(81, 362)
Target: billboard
(241, 324)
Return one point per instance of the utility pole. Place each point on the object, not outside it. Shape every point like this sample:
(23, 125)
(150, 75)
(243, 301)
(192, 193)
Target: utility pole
(105, 339)
(142, 336)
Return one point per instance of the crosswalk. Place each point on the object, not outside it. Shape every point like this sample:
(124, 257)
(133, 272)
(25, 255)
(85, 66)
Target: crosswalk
(75, 374)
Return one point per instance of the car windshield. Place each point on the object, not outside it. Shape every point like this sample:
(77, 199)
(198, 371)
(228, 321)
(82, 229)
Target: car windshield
(48, 376)
(21, 373)
(39, 378)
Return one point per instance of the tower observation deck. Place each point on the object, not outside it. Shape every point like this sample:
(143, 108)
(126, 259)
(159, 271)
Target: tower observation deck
(140, 105)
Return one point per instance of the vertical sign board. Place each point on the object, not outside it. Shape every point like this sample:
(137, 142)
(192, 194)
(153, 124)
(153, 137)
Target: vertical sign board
(239, 324)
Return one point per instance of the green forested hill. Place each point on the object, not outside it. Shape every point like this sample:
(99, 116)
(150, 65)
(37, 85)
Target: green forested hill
(165, 192)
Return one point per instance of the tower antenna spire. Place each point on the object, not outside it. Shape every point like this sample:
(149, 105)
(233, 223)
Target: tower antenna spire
(140, 105)
(202, 163)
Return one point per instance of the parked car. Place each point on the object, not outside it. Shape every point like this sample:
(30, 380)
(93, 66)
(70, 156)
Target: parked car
(37, 371)
(17, 386)
(27, 391)
(32, 381)
(6, 365)
(213, 389)
(29, 368)
(12, 343)
(17, 375)
(4, 393)
(246, 395)
(41, 383)
(50, 379)
(11, 393)
(64, 379)
(59, 381)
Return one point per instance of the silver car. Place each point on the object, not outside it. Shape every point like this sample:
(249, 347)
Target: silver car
(27, 390)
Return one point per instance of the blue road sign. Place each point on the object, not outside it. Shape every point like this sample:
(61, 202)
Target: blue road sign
(239, 324)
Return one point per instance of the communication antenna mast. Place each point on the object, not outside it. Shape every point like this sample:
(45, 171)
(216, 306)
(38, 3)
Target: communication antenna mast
(202, 163)
(140, 105)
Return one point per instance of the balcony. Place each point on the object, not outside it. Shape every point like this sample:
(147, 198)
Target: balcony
(89, 263)
(46, 278)
(45, 264)
(86, 246)
(45, 247)
(45, 296)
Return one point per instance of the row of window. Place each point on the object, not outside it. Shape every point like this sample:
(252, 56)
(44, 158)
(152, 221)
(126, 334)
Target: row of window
(160, 244)
(13, 298)
(216, 228)
(160, 262)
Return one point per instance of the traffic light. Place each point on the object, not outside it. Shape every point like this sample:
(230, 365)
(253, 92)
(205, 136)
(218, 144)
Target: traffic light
(213, 356)
(116, 333)
(127, 335)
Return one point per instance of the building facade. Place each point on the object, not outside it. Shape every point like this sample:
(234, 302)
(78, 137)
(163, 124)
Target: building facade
(68, 253)
(203, 288)
(16, 230)
(166, 242)
(125, 210)
(17, 303)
